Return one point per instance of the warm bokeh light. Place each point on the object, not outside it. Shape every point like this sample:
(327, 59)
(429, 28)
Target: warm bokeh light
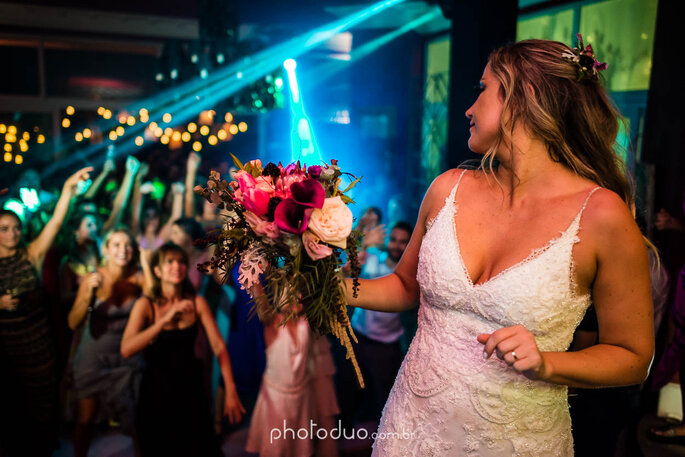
(166, 118)
(8, 155)
(192, 127)
(153, 125)
(242, 127)
(26, 136)
(12, 129)
(176, 136)
(3, 128)
(18, 159)
(228, 117)
(112, 135)
(66, 123)
(122, 119)
(233, 129)
(120, 131)
(204, 130)
(168, 131)
(107, 114)
(40, 139)
(101, 111)
(70, 110)
(159, 132)
(87, 133)
(222, 134)
(185, 137)
(139, 141)
(131, 120)
(212, 140)
(143, 112)
(78, 136)
(10, 138)
(8, 147)
(164, 139)
(197, 146)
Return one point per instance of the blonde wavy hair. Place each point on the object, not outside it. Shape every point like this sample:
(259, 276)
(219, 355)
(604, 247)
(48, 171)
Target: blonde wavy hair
(575, 119)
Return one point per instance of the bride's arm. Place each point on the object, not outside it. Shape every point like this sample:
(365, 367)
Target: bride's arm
(399, 290)
(621, 294)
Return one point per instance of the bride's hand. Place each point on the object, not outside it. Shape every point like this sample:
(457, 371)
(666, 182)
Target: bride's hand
(516, 346)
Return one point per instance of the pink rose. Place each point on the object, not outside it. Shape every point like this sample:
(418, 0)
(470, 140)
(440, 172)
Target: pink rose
(260, 226)
(332, 223)
(284, 182)
(264, 183)
(315, 250)
(256, 200)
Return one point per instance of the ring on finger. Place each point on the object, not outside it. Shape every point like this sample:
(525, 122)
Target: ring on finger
(513, 354)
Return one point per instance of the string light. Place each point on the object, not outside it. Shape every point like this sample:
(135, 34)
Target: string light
(139, 141)
(70, 110)
(101, 111)
(192, 127)
(153, 126)
(8, 147)
(40, 139)
(168, 131)
(107, 114)
(143, 112)
(18, 159)
(3, 128)
(26, 136)
(66, 123)
(176, 136)
(23, 146)
(122, 119)
(12, 129)
(131, 120)
(197, 146)
(242, 127)
(233, 129)
(87, 133)
(10, 138)
(79, 136)
(120, 131)
(185, 137)
(212, 140)
(8, 157)
(112, 135)
(204, 130)
(222, 134)
(166, 118)
(228, 117)
(164, 139)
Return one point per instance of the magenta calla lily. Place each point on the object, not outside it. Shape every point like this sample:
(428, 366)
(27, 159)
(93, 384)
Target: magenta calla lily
(291, 217)
(309, 193)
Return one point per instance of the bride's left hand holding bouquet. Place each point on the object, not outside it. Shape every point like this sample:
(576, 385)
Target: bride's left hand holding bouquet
(289, 225)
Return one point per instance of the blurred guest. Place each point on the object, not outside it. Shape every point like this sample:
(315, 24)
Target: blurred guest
(379, 351)
(104, 382)
(184, 232)
(82, 254)
(28, 384)
(173, 414)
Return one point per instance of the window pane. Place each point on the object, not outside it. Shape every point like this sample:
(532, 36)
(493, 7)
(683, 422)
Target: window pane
(556, 26)
(622, 34)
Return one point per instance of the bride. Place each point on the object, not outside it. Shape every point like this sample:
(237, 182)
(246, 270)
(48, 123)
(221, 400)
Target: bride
(505, 259)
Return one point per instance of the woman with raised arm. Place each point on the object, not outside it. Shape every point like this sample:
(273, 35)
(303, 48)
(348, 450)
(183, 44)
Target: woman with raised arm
(104, 383)
(173, 413)
(505, 260)
(28, 383)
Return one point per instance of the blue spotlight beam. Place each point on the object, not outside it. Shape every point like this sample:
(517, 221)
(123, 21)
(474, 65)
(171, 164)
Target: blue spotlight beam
(188, 99)
(329, 69)
(302, 139)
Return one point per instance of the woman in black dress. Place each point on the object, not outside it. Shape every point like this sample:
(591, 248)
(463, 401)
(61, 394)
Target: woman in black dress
(173, 412)
(28, 384)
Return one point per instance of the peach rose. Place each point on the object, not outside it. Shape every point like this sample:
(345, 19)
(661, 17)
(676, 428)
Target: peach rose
(332, 223)
(315, 250)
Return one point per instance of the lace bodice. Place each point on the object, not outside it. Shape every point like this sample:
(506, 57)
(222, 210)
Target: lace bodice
(446, 396)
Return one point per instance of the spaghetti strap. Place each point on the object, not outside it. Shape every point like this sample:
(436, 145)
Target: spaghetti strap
(453, 193)
(587, 199)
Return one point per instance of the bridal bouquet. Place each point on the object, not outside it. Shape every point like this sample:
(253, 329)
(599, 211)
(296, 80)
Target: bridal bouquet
(289, 226)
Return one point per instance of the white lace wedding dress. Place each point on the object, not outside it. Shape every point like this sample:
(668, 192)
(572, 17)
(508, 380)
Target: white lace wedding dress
(447, 400)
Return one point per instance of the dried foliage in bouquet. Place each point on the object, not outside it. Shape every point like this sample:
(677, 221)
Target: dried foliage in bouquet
(287, 227)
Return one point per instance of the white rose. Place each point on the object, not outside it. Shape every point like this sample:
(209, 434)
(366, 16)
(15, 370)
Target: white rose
(332, 223)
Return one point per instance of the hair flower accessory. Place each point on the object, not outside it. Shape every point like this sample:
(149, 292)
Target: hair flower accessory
(584, 57)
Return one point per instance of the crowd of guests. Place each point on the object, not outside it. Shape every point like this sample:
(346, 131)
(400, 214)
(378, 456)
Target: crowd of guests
(106, 322)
